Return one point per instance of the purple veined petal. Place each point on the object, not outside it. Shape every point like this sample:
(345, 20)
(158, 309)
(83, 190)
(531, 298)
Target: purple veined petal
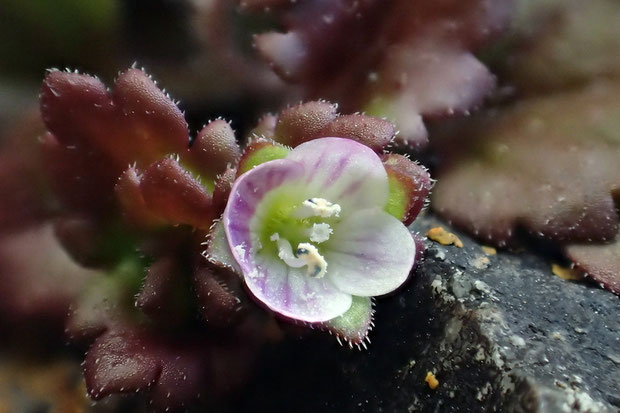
(247, 194)
(292, 293)
(344, 172)
(285, 290)
(370, 253)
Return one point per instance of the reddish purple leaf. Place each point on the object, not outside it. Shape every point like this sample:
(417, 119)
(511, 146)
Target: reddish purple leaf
(171, 193)
(265, 128)
(317, 119)
(213, 150)
(399, 59)
(39, 279)
(304, 122)
(163, 296)
(548, 165)
(175, 370)
(373, 132)
(94, 135)
(219, 295)
(79, 236)
(137, 123)
(132, 203)
(223, 185)
(600, 261)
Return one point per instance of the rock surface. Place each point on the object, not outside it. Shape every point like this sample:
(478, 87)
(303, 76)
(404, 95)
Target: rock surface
(500, 333)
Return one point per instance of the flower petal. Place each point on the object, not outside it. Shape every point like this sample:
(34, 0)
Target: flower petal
(247, 193)
(344, 172)
(370, 253)
(292, 293)
(285, 290)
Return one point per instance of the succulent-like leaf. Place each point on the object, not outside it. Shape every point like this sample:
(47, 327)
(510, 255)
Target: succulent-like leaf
(401, 60)
(373, 132)
(80, 238)
(547, 165)
(105, 302)
(560, 44)
(39, 279)
(304, 122)
(95, 134)
(164, 295)
(599, 261)
(130, 360)
(81, 177)
(218, 295)
(265, 128)
(223, 185)
(317, 119)
(171, 193)
(214, 148)
(174, 371)
(131, 201)
(136, 123)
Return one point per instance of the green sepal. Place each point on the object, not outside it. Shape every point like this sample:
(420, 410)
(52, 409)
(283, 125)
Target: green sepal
(398, 201)
(218, 251)
(409, 186)
(260, 151)
(354, 325)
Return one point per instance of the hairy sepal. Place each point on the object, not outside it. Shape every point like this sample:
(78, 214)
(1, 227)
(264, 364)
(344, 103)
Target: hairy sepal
(259, 151)
(353, 326)
(410, 184)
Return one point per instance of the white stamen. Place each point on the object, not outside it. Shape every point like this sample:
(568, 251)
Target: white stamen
(307, 254)
(317, 266)
(318, 207)
(285, 252)
(320, 232)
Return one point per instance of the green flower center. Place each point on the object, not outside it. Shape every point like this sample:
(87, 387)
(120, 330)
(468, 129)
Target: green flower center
(307, 224)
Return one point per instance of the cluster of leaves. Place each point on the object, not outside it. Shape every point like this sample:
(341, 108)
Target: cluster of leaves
(117, 233)
(402, 60)
(548, 163)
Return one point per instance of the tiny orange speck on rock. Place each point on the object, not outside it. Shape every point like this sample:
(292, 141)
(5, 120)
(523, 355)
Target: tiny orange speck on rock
(571, 274)
(488, 250)
(440, 235)
(432, 381)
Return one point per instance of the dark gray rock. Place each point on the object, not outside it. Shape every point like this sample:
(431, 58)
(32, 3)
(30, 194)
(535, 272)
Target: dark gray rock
(501, 333)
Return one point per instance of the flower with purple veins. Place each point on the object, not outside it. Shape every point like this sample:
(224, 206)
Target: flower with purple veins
(311, 236)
